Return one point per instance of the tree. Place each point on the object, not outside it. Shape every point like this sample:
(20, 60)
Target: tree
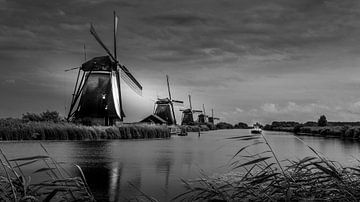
(49, 116)
(322, 121)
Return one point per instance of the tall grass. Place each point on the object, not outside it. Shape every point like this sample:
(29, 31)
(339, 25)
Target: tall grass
(263, 177)
(14, 129)
(58, 185)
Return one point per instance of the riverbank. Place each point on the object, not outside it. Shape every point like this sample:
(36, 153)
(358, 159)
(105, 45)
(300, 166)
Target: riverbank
(345, 131)
(14, 129)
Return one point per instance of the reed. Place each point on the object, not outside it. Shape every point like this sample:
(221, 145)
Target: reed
(16, 129)
(58, 184)
(263, 177)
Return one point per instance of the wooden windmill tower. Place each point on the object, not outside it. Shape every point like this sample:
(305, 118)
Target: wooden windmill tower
(188, 114)
(164, 108)
(97, 95)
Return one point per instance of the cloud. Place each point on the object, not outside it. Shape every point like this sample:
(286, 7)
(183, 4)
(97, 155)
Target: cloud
(238, 110)
(9, 81)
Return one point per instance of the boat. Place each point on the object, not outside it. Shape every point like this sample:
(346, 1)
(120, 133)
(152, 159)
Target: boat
(256, 130)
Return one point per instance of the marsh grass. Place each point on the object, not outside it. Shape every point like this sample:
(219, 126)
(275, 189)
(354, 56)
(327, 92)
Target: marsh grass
(263, 177)
(15, 129)
(58, 184)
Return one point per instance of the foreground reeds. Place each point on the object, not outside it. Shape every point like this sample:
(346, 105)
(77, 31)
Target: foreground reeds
(14, 129)
(263, 177)
(58, 184)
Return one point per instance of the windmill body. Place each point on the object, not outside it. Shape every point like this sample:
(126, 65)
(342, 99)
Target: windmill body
(97, 95)
(164, 110)
(99, 98)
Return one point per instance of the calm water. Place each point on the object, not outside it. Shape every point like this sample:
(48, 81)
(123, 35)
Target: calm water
(156, 166)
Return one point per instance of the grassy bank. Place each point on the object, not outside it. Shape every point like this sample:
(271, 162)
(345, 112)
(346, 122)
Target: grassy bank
(263, 177)
(14, 129)
(195, 128)
(345, 132)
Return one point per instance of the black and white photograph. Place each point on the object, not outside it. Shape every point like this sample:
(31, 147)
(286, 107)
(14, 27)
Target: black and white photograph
(179, 100)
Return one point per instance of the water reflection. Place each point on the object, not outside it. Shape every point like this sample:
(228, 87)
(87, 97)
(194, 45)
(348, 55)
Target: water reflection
(115, 182)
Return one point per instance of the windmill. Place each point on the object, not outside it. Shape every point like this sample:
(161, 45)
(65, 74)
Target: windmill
(202, 118)
(187, 117)
(164, 108)
(97, 95)
(212, 118)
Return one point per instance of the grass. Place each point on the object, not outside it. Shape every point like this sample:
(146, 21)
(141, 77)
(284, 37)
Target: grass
(263, 177)
(58, 184)
(15, 129)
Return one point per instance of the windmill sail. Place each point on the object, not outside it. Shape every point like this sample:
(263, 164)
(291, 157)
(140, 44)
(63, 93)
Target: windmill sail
(130, 80)
(115, 93)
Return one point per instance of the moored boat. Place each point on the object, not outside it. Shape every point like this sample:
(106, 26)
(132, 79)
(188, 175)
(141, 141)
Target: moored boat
(256, 130)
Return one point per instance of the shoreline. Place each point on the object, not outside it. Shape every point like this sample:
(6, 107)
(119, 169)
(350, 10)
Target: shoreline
(342, 132)
(15, 130)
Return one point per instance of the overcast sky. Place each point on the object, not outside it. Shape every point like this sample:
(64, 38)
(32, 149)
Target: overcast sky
(250, 60)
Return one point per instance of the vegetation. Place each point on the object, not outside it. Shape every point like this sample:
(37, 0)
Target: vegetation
(48, 116)
(345, 130)
(17, 129)
(263, 177)
(287, 126)
(58, 186)
(223, 125)
(241, 125)
(322, 121)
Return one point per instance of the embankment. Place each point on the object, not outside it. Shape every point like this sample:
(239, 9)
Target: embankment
(12, 129)
(345, 132)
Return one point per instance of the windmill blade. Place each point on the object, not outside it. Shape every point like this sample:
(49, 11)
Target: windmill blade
(177, 101)
(96, 36)
(125, 73)
(115, 32)
(66, 70)
(196, 111)
(129, 79)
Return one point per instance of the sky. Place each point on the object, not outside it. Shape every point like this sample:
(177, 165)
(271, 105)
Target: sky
(249, 60)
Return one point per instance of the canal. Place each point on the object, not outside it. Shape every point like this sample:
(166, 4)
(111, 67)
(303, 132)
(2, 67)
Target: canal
(113, 168)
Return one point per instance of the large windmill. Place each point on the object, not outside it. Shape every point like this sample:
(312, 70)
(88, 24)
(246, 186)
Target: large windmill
(97, 95)
(187, 114)
(164, 108)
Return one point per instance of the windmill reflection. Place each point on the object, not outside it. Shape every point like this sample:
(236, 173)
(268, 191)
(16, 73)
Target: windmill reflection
(119, 182)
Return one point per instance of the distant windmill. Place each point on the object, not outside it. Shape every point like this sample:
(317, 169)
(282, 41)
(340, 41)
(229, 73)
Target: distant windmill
(97, 96)
(164, 108)
(202, 118)
(187, 117)
(212, 118)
